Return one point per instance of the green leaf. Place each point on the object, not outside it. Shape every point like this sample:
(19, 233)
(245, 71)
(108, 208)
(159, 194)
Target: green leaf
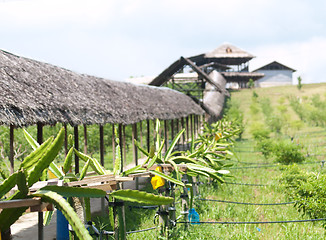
(84, 170)
(141, 197)
(133, 170)
(31, 160)
(201, 168)
(8, 184)
(47, 158)
(156, 157)
(56, 170)
(183, 159)
(117, 161)
(31, 140)
(76, 191)
(47, 218)
(67, 210)
(140, 148)
(88, 212)
(223, 171)
(68, 161)
(96, 166)
(174, 142)
(166, 177)
(21, 182)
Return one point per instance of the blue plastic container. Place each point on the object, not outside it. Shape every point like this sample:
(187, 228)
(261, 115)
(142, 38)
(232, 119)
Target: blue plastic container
(193, 216)
(62, 227)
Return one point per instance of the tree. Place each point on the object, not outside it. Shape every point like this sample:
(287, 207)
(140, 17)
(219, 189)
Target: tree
(251, 83)
(299, 86)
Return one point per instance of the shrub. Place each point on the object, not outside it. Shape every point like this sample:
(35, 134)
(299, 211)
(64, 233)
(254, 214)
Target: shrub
(259, 131)
(287, 152)
(307, 189)
(266, 147)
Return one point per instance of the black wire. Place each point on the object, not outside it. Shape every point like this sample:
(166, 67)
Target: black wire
(248, 184)
(243, 203)
(143, 230)
(268, 222)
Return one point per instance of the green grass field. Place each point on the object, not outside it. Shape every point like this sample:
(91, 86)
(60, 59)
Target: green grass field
(311, 138)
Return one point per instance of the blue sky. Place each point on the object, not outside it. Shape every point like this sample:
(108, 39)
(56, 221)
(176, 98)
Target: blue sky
(116, 39)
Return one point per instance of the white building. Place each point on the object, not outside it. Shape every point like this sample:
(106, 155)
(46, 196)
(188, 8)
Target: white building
(276, 74)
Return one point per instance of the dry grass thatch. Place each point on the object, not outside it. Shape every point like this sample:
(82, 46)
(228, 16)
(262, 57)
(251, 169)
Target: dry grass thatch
(32, 92)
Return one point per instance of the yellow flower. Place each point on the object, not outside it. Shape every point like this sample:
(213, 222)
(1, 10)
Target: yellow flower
(157, 181)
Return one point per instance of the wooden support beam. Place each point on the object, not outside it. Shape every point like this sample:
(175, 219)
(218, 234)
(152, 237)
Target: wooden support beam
(77, 148)
(134, 147)
(40, 214)
(172, 128)
(113, 144)
(101, 145)
(124, 149)
(182, 127)
(148, 135)
(141, 132)
(166, 136)
(11, 143)
(66, 139)
(40, 133)
(187, 128)
(192, 126)
(85, 139)
(121, 152)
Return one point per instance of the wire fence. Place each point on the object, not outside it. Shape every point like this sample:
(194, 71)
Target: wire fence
(245, 203)
(266, 222)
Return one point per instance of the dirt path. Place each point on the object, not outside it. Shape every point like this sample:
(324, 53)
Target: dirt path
(26, 228)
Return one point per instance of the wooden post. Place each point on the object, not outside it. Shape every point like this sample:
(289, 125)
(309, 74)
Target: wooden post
(121, 153)
(113, 144)
(101, 145)
(85, 139)
(187, 128)
(182, 127)
(135, 149)
(148, 135)
(77, 148)
(66, 139)
(124, 150)
(40, 214)
(192, 126)
(166, 136)
(172, 129)
(141, 132)
(11, 143)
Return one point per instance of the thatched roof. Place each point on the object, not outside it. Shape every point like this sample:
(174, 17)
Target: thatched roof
(32, 91)
(225, 54)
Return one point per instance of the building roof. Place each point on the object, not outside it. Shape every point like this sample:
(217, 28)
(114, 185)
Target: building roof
(33, 91)
(241, 76)
(226, 54)
(274, 66)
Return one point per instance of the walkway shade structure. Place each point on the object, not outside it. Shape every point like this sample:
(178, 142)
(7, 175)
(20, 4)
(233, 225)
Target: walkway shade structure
(34, 92)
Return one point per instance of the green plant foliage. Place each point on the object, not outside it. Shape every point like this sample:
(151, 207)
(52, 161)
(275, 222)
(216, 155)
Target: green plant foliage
(67, 210)
(166, 177)
(46, 159)
(141, 197)
(68, 160)
(76, 192)
(8, 184)
(287, 152)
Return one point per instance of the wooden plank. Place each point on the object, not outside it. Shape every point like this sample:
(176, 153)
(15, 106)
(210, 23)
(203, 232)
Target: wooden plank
(20, 203)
